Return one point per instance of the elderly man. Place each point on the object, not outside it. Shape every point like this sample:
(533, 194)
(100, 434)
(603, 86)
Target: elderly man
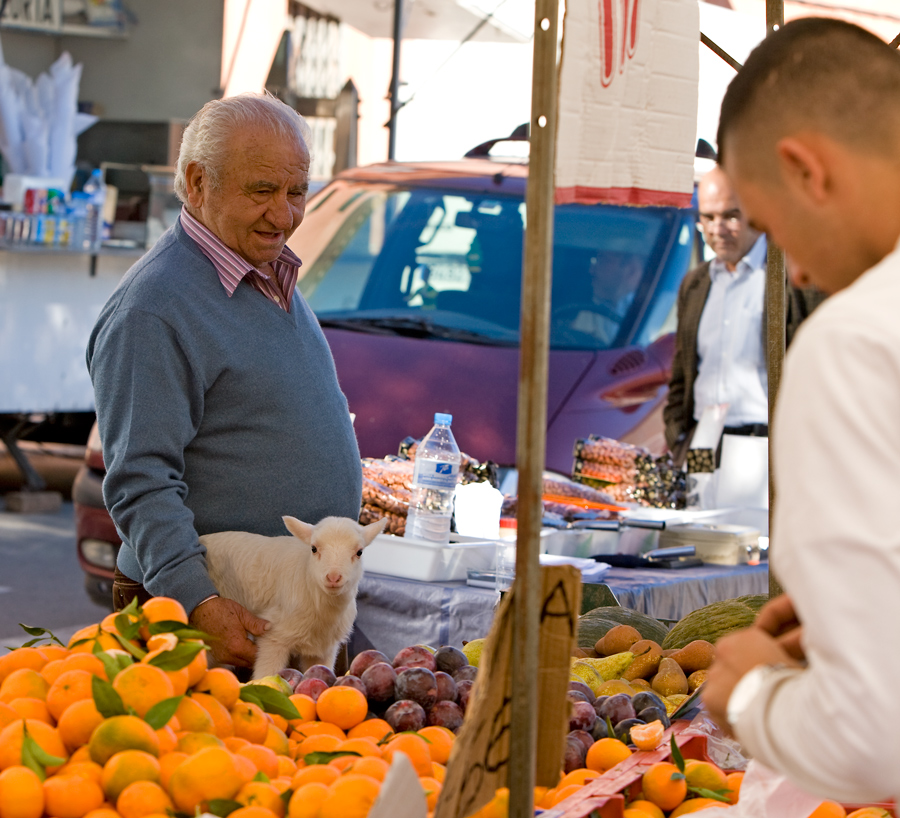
(809, 135)
(720, 341)
(217, 398)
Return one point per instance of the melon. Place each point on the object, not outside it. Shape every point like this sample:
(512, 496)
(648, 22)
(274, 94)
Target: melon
(714, 621)
(594, 625)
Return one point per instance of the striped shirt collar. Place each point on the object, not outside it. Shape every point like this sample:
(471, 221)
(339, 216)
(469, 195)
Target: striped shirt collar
(232, 269)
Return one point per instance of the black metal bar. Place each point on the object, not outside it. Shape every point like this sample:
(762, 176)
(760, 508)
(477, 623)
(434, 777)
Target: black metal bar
(395, 79)
(720, 52)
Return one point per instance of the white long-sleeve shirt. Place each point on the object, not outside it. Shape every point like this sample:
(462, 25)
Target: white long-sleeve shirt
(834, 728)
(731, 360)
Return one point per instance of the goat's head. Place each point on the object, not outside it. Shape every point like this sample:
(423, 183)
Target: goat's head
(336, 545)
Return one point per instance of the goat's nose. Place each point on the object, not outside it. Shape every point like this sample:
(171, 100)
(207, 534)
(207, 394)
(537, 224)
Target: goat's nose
(334, 578)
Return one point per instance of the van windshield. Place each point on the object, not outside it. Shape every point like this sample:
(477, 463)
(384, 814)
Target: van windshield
(448, 264)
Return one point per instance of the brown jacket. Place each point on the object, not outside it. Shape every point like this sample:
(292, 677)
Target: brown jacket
(679, 410)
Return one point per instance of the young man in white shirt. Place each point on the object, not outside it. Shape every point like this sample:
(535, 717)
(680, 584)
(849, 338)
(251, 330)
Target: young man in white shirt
(810, 136)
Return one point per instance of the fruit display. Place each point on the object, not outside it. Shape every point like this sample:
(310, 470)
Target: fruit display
(714, 621)
(595, 624)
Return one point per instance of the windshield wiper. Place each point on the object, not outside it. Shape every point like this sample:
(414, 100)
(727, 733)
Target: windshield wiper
(412, 327)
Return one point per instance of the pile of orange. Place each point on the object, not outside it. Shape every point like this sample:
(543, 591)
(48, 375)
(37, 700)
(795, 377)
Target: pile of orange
(177, 738)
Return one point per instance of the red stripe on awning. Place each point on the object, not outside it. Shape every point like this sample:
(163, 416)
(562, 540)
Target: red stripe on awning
(621, 195)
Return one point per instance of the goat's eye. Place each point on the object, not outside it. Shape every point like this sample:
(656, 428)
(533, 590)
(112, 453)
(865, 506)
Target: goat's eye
(315, 550)
(359, 553)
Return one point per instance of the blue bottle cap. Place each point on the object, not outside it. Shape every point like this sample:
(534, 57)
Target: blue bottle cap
(442, 418)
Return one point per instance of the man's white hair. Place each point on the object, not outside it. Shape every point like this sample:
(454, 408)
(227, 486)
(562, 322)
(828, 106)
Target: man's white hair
(207, 134)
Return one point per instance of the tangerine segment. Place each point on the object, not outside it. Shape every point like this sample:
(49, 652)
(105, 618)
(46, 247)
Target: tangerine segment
(21, 793)
(647, 736)
(207, 775)
(664, 785)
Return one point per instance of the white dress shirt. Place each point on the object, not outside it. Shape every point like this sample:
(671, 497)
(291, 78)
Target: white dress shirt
(731, 361)
(834, 728)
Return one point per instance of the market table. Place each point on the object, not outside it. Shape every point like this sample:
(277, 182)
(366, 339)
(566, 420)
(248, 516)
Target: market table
(395, 613)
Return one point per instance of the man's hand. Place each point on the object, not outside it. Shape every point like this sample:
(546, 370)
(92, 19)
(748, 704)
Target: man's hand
(736, 655)
(778, 619)
(229, 623)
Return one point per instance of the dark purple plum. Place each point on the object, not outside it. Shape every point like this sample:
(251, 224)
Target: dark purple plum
(292, 676)
(463, 689)
(380, 680)
(598, 704)
(582, 688)
(418, 684)
(311, 687)
(649, 714)
(647, 698)
(323, 672)
(465, 673)
(575, 754)
(577, 696)
(584, 737)
(415, 656)
(365, 659)
(450, 659)
(582, 716)
(617, 708)
(352, 681)
(446, 687)
(623, 729)
(405, 715)
(446, 714)
(600, 730)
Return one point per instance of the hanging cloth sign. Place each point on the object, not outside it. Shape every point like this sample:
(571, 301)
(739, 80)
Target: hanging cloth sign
(628, 102)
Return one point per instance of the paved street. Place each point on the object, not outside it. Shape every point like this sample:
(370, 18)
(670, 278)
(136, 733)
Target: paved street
(40, 580)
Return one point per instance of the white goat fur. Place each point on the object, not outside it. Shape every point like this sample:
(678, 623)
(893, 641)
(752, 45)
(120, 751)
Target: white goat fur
(304, 585)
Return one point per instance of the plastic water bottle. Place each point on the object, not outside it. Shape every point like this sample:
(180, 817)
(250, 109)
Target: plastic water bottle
(78, 213)
(95, 188)
(434, 482)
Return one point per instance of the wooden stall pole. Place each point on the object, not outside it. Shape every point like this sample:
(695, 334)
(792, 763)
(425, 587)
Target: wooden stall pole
(532, 408)
(775, 312)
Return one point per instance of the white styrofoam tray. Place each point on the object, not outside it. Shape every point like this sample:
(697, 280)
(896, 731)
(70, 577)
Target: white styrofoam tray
(412, 558)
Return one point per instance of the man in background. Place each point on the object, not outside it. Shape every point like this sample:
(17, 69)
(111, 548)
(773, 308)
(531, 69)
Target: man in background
(810, 136)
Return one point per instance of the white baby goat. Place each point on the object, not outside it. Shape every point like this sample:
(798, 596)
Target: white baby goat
(305, 585)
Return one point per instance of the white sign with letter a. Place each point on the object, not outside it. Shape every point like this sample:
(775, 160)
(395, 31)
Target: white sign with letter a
(628, 102)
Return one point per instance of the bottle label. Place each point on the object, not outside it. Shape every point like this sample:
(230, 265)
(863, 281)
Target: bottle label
(435, 474)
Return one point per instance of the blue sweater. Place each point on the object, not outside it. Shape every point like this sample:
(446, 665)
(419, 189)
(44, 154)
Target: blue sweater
(216, 414)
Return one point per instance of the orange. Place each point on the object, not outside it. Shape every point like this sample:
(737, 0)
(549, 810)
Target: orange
(47, 737)
(733, 784)
(85, 661)
(142, 686)
(261, 794)
(178, 678)
(562, 793)
(7, 715)
(279, 721)
(167, 765)
(497, 807)
(77, 723)
(342, 705)
(432, 789)
(142, 798)
(208, 775)
(828, 809)
(645, 806)
(254, 811)
(70, 686)
(695, 804)
(89, 636)
(84, 769)
(375, 767)
(704, 774)
(647, 736)
(315, 728)
(223, 685)
(54, 652)
(307, 799)
(263, 759)
(105, 811)
(323, 773)
(246, 770)
(194, 717)
(363, 746)
(316, 744)
(81, 755)
(119, 733)
(25, 682)
(70, 796)
(198, 665)
(249, 722)
(439, 771)
(32, 658)
(374, 728)
(21, 793)
(630, 812)
(580, 777)
(286, 767)
(664, 785)
(351, 796)
(161, 609)
(605, 753)
(342, 763)
(167, 739)
(52, 669)
(415, 748)
(223, 725)
(276, 740)
(124, 768)
(440, 742)
(191, 743)
(28, 708)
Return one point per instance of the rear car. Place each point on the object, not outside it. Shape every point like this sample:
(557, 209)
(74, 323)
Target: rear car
(414, 272)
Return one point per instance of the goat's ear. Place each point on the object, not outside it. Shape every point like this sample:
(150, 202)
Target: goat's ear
(372, 530)
(302, 531)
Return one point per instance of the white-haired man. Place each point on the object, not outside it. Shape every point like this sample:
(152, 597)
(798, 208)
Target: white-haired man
(217, 397)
